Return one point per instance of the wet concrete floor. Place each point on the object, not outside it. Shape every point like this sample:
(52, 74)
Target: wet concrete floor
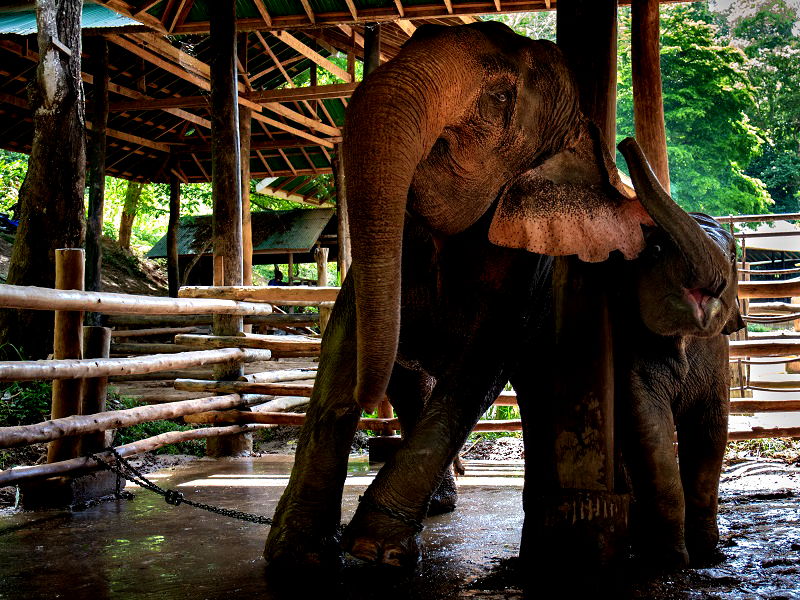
(146, 549)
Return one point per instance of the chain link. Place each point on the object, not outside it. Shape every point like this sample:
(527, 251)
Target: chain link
(124, 469)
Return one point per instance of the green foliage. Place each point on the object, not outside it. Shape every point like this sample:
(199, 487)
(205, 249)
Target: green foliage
(534, 25)
(134, 433)
(773, 53)
(707, 96)
(13, 167)
(24, 403)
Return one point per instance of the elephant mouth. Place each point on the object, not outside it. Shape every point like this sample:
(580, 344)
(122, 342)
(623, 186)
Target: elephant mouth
(704, 306)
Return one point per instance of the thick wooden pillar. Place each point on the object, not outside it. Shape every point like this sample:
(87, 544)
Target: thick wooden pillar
(226, 188)
(587, 34)
(372, 47)
(173, 269)
(97, 165)
(575, 517)
(343, 225)
(245, 130)
(648, 103)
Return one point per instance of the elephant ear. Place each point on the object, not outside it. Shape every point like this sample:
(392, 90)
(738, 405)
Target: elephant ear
(573, 203)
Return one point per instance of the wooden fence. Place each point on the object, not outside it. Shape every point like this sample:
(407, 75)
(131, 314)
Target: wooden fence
(182, 318)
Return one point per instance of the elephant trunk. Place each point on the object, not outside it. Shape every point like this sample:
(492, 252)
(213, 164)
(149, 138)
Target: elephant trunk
(707, 267)
(388, 132)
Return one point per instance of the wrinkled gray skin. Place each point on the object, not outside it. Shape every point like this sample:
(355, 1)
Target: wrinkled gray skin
(671, 363)
(471, 132)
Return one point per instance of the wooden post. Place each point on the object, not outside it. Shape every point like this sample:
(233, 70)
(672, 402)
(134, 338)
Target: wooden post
(587, 35)
(372, 47)
(343, 225)
(321, 255)
(245, 131)
(290, 268)
(648, 105)
(67, 343)
(97, 167)
(173, 268)
(226, 187)
(574, 516)
(96, 344)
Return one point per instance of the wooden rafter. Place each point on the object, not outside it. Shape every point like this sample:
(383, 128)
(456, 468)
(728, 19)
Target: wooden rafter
(262, 10)
(449, 5)
(181, 14)
(316, 57)
(309, 12)
(358, 38)
(264, 162)
(406, 26)
(352, 8)
(400, 10)
(497, 5)
(142, 16)
(389, 12)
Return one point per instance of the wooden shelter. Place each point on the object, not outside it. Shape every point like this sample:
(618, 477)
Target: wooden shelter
(200, 83)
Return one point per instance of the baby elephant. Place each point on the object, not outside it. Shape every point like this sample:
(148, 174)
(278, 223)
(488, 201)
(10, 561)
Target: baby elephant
(671, 362)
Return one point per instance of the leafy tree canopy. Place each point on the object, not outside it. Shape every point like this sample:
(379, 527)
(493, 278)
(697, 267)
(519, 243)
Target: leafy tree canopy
(707, 96)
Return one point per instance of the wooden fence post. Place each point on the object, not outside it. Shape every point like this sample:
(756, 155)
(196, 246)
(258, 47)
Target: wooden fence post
(96, 344)
(67, 343)
(321, 256)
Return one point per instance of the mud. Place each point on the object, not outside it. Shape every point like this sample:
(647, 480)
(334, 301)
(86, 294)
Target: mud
(147, 549)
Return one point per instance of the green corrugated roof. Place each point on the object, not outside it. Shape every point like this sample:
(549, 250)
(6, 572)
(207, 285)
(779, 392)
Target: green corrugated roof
(94, 17)
(273, 231)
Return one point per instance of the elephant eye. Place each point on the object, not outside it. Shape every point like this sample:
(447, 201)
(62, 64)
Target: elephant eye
(501, 97)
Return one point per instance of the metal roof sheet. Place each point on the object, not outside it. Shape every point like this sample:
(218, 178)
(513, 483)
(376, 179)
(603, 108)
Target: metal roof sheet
(94, 17)
(273, 231)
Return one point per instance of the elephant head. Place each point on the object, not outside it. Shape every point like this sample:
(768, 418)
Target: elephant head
(461, 116)
(686, 278)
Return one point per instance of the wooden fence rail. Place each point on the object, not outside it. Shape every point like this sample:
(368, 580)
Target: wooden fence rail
(105, 367)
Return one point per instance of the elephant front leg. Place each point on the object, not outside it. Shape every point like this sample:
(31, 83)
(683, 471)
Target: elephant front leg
(305, 531)
(386, 527)
(702, 437)
(659, 504)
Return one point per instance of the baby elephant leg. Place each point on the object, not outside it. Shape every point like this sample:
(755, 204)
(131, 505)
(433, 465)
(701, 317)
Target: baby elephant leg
(702, 436)
(650, 458)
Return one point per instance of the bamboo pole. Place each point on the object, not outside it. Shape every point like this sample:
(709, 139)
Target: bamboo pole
(96, 344)
(759, 406)
(307, 295)
(40, 298)
(67, 344)
(275, 376)
(754, 348)
(76, 369)
(17, 474)
(244, 387)
(142, 321)
(126, 333)
(275, 343)
(769, 289)
(23, 435)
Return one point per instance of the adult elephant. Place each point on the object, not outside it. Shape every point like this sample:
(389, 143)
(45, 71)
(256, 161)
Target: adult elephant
(470, 134)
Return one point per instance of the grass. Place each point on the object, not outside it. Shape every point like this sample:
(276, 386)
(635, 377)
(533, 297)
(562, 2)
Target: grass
(781, 448)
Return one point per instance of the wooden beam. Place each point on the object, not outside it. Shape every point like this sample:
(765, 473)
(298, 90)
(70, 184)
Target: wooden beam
(648, 104)
(337, 90)
(180, 14)
(309, 12)
(400, 10)
(449, 5)
(352, 8)
(134, 139)
(262, 10)
(407, 26)
(316, 57)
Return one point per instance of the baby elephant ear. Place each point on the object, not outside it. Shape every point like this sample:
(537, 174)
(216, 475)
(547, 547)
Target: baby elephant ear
(573, 203)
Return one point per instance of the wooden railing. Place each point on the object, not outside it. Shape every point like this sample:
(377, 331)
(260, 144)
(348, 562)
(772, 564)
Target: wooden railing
(181, 317)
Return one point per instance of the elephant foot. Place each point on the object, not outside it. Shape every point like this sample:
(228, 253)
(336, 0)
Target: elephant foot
(296, 543)
(666, 558)
(445, 497)
(382, 536)
(702, 545)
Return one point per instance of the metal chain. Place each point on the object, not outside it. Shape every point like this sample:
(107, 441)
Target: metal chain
(124, 469)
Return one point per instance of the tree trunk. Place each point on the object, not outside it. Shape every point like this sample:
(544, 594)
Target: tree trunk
(173, 268)
(51, 197)
(132, 195)
(97, 168)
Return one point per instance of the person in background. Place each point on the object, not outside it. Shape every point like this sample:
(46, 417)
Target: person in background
(277, 279)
